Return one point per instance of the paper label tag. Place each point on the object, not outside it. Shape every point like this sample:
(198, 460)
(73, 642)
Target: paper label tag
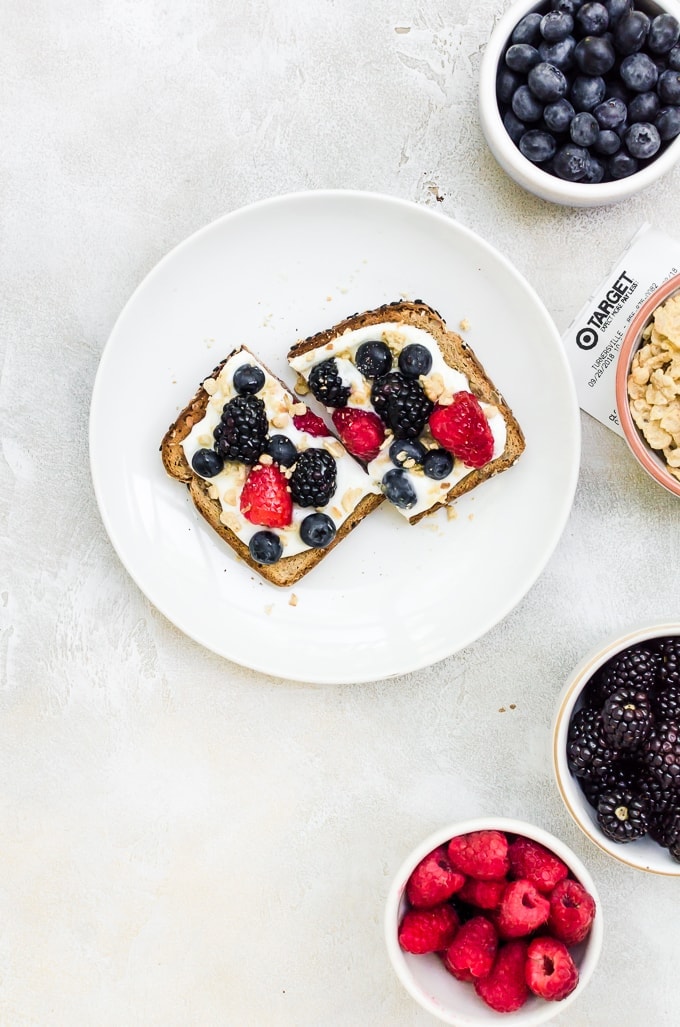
(594, 337)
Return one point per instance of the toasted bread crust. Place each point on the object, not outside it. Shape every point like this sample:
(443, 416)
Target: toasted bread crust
(289, 569)
(458, 355)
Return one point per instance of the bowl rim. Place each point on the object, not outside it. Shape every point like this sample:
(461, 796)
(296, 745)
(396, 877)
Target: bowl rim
(565, 704)
(591, 953)
(532, 177)
(640, 448)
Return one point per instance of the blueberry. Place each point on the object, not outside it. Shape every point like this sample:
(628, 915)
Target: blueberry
(248, 379)
(399, 490)
(667, 123)
(560, 54)
(595, 55)
(438, 464)
(415, 360)
(584, 129)
(514, 127)
(558, 115)
(673, 58)
(592, 19)
(616, 9)
(556, 26)
(281, 450)
(595, 171)
(521, 57)
(526, 106)
(587, 91)
(639, 72)
(570, 162)
(643, 107)
(317, 530)
(664, 33)
(547, 82)
(621, 165)
(643, 140)
(668, 87)
(537, 146)
(607, 142)
(403, 450)
(568, 6)
(265, 547)
(207, 463)
(506, 83)
(528, 30)
(610, 112)
(630, 32)
(373, 359)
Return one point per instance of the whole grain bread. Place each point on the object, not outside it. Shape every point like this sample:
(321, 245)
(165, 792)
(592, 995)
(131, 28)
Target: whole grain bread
(289, 569)
(457, 355)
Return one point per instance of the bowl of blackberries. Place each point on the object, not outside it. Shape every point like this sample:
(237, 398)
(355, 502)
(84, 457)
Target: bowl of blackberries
(580, 101)
(616, 748)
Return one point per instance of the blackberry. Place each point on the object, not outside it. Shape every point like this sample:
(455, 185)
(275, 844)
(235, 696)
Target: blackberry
(665, 827)
(674, 850)
(666, 703)
(669, 671)
(315, 478)
(626, 718)
(623, 774)
(622, 816)
(662, 755)
(588, 752)
(633, 668)
(402, 404)
(327, 385)
(242, 432)
(652, 791)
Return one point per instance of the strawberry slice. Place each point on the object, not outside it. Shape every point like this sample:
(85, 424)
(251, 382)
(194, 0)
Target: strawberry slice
(361, 432)
(463, 429)
(312, 424)
(265, 498)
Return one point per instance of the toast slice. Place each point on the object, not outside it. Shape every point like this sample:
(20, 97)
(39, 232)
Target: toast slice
(218, 497)
(453, 369)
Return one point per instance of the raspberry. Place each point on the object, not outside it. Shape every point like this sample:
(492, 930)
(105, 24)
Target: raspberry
(572, 910)
(310, 423)
(480, 854)
(482, 894)
(550, 971)
(361, 432)
(535, 863)
(505, 988)
(428, 930)
(265, 498)
(522, 910)
(472, 952)
(463, 429)
(433, 881)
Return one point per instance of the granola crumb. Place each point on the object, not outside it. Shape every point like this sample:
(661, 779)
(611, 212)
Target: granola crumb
(464, 324)
(293, 601)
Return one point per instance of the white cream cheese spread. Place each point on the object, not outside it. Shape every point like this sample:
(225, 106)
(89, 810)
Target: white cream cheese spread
(353, 484)
(440, 384)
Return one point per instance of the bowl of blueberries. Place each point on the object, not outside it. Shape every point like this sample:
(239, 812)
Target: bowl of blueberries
(580, 101)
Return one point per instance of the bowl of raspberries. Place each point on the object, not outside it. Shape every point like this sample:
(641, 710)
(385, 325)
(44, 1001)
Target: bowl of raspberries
(493, 916)
(579, 100)
(616, 748)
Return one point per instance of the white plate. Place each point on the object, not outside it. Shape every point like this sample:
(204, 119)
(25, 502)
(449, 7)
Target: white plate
(391, 598)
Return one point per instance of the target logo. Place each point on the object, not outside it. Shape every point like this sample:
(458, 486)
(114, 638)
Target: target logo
(586, 338)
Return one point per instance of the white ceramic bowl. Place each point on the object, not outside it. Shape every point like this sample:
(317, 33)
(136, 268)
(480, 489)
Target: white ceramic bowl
(455, 1002)
(643, 854)
(652, 460)
(530, 176)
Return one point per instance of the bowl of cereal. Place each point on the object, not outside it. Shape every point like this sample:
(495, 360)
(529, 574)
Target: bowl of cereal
(580, 102)
(648, 385)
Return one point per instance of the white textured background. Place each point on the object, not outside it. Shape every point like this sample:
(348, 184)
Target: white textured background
(184, 842)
